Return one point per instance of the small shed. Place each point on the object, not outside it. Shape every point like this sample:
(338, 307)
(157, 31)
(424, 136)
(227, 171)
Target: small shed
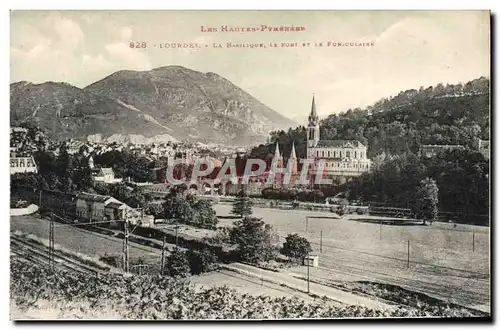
(311, 261)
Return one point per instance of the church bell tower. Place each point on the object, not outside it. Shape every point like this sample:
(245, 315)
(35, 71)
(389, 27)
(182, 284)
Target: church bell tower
(313, 127)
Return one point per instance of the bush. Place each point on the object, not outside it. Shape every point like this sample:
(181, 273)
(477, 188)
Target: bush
(114, 261)
(301, 195)
(361, 211)
(342, 208)
(296, 247)
(177, 264)
(155, 210)
(18, 203)
(222, 236)
(201, 261)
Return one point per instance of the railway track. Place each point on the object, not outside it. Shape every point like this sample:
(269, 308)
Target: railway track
(36, 253)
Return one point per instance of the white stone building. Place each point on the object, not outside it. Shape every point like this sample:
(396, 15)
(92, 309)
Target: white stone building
(342, 158)
(22, 165)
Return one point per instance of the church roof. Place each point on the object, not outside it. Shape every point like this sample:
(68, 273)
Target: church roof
(339, 144)
(107, 170)
(93, 197)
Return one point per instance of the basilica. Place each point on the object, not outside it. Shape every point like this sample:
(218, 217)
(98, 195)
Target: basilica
(343, 159)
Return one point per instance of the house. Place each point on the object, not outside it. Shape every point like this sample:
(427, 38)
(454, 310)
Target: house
(22, 165)
(94, 208)
(105, 175)
(91, 207)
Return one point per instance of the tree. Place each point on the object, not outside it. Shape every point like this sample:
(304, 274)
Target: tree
(64, 169)
(242, 205)
(177, 264)
(82, 175)
(255, 239)
(426, 203)
(205, 215)
(187, 209)
(296, 247)
(177, 208)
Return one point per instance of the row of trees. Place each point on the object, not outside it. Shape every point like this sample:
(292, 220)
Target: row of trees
(64, 172)
(126, 165)
(301, 195)
(254, 244)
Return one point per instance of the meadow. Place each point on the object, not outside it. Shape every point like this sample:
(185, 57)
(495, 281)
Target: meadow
(441, 260)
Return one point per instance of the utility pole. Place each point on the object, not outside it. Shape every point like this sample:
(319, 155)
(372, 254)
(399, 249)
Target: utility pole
(163, 255)
(380, 230)
(40, 199)
(176, 234)
(473, 240)
(51, 241)
(408, 257)
(307, 220)
(321, 241)
(125, 246)
(308, 271)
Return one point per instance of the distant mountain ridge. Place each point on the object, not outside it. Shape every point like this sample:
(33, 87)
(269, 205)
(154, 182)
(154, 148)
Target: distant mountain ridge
(167, 103)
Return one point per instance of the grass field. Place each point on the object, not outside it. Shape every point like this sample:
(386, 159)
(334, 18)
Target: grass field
(442, 263)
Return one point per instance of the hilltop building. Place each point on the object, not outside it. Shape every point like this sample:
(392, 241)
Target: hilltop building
(343, 158)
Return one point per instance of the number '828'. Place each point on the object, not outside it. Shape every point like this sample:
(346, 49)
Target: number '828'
(138, 44)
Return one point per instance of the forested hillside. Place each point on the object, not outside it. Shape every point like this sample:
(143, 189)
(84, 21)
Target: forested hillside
(443, 114)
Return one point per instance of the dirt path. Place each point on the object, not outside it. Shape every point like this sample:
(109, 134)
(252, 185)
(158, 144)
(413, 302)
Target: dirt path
(301, 285)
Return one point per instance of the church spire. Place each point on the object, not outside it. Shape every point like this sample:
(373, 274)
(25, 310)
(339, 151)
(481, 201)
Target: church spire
(293, 159)
(292, 153)
(313, 114)
(277, 151)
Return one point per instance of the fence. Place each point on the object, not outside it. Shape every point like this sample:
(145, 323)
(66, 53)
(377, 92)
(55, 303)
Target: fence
(403, 245)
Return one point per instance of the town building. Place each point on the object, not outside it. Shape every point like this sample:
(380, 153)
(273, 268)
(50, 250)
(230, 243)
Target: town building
(105, 175)
(22, 165)
(96, 208)
(342, 159)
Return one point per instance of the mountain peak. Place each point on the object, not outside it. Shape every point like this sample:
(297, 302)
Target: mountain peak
(170, 100)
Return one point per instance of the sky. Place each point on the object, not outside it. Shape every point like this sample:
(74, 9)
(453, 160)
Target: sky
(409, 49)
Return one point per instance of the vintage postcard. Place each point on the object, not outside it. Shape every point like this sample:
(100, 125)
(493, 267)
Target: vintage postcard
(230, 165)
